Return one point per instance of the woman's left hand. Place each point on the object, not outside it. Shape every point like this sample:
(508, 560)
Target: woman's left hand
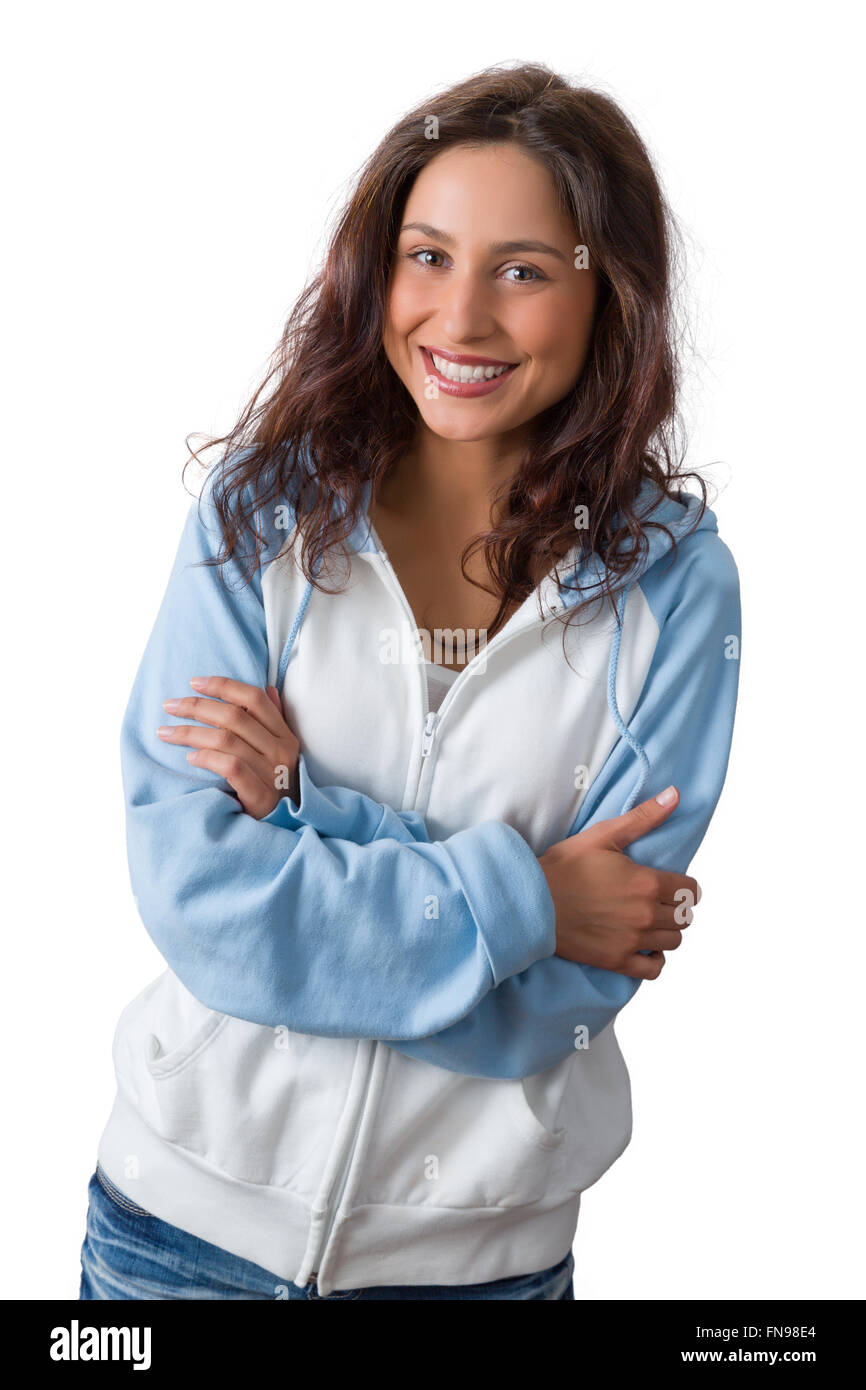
(246, 740)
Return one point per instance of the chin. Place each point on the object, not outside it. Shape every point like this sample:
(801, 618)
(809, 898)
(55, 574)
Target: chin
(457, 434)
(460, 431)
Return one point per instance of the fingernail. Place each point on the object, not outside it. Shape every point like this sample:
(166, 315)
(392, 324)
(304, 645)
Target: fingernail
(667, 796)
(165, 730)
(170, 705)
(191, 757)
(199, 683)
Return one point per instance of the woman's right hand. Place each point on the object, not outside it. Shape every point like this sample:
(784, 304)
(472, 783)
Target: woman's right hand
(609, 909)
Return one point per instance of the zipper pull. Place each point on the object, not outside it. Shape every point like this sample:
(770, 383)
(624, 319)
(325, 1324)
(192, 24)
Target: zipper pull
(429, 729)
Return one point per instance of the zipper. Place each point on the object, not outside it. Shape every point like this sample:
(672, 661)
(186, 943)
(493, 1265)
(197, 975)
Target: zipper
(432, 719)
(429, 730)
(336, 1195)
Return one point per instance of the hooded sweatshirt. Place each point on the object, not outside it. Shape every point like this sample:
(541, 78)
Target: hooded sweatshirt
(364, 1062)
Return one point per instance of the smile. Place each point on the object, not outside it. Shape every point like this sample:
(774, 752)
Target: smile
(460, 374)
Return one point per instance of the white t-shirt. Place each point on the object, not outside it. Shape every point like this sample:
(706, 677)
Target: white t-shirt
(439, 680)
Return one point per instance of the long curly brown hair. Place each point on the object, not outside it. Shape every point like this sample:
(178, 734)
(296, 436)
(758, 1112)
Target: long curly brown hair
(337, 415)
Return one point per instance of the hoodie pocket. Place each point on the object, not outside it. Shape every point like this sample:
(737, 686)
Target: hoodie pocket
(444, 1139)
(597, 1112)
(162, 1064)
(259, 1104)
(541, 1131)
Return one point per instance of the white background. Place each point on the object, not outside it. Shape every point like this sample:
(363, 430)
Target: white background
(171, 172)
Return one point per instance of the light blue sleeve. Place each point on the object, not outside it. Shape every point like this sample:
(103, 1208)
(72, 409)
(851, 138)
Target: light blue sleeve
(275, 922)
(684, 719)
(344, 814)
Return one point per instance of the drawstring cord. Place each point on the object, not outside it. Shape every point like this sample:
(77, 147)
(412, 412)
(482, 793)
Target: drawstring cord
(290, 640)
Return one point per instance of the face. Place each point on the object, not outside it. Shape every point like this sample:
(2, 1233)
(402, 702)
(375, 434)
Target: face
(488, 319)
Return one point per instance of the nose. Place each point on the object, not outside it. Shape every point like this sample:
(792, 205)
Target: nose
(466, 308)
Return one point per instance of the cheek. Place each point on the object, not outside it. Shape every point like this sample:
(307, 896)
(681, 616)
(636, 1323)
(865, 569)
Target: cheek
(557, 338)
(407, 305)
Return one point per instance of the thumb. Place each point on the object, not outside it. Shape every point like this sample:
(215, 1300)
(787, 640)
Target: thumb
(623, 830)
(274, 696)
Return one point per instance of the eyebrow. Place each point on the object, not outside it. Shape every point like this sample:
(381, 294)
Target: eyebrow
(499, 248)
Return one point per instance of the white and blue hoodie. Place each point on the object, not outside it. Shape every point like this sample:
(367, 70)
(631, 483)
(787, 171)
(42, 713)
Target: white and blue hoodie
(364, 1061)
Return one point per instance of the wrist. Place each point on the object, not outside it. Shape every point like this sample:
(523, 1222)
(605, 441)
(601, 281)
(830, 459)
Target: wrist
(294, 788)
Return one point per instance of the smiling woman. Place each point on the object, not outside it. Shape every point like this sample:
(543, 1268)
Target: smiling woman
(496, 313)
(401, 906)
(532, 233)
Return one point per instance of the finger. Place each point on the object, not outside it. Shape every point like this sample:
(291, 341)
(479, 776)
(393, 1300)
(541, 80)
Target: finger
(670, 917)
(672, 884)
(221, 715)
(221, 742)
(256, 797)
(274, 696)
(251, 697)
(644, 967)
(620, 831)
(664, 940)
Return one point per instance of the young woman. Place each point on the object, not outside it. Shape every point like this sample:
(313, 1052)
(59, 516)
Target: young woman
(450, 661)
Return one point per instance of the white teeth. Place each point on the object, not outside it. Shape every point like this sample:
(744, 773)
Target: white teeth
(455, 371)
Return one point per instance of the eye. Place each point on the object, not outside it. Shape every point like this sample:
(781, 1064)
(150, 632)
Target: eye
(424, 251)
(426, 257)
(530, 271)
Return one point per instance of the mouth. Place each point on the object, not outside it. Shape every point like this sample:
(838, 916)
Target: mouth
(464, 374)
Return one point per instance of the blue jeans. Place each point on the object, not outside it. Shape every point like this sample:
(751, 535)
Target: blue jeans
(127, 1253)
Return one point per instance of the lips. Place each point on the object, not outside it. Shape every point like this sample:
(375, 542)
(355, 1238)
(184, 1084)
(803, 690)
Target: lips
(468, 358)
(465, 374)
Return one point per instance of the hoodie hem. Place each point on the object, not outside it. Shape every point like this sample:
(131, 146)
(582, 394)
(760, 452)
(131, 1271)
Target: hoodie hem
(379, 1245)
(267, 1225)
(371, 1245)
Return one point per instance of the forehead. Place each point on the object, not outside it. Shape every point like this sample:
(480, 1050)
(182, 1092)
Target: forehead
(500, 189)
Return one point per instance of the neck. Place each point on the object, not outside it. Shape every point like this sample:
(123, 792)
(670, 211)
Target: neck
(450, 478)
